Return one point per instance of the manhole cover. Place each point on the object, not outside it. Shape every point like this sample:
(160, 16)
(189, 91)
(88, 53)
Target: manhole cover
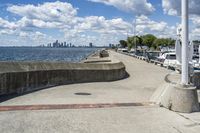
(83, 93)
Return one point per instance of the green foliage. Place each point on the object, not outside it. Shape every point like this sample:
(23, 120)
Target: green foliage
(148, 40)
(123, 43)
(163, 42)
(130, 42)
(133, 41)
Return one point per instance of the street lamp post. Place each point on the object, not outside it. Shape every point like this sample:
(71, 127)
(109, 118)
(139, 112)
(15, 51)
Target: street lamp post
(181, 97)
(185, 27)
(135, 39)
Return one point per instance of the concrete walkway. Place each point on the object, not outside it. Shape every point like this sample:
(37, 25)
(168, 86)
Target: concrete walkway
(138, 88)
(144, 79)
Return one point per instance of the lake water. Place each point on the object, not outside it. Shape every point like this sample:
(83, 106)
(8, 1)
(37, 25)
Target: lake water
(44, 54)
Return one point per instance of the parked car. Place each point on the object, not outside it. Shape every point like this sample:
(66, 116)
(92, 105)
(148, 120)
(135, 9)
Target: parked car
(170, 60)
(122, 50)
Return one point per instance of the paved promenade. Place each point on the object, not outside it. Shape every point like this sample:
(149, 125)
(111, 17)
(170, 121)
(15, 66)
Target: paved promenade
(141, 117)
(144, 79)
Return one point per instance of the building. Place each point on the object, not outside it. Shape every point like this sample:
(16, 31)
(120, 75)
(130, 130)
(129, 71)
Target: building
(90, 45)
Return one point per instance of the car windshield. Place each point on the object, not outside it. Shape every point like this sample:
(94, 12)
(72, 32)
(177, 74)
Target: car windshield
(171, 57)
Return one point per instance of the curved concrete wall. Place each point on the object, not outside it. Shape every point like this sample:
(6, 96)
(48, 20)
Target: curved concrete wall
(20, 77)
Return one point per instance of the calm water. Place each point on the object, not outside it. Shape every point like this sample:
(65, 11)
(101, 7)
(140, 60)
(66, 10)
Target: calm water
(44, 54)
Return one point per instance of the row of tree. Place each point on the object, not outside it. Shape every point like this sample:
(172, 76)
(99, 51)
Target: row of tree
(147, 40)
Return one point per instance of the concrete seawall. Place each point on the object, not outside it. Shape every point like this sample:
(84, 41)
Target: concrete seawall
(21, 77)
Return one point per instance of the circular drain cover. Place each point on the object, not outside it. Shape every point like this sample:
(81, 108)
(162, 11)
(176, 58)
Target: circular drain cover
(83, 93)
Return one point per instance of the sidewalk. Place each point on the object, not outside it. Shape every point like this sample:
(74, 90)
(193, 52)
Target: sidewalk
(138, 88)
(143, 81)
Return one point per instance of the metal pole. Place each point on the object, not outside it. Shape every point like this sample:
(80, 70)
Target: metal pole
(135, 39)
(185, 62)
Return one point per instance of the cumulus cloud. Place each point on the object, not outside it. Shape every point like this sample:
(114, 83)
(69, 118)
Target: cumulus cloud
(6, 32)
(150, 24)
(136, 6)
(49, 11)
(195, 20)
(25, 22)
(47, 15)
(6, 27)
(102, 25)
(4, 24)
(145, 25)
(34, 36)
(173, 7)
(63, 17)
(101, 30)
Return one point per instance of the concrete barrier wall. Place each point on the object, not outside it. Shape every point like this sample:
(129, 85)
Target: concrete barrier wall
(20, 77)
(195, 79)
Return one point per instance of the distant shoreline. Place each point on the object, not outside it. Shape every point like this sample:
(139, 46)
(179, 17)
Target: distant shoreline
(47, 47)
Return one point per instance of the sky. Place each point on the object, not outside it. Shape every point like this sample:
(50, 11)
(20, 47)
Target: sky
(37, 22)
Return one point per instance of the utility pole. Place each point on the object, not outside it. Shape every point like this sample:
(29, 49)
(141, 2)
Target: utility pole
(185, 36)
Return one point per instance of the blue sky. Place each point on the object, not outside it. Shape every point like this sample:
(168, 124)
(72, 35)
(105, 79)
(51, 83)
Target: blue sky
(30, 23)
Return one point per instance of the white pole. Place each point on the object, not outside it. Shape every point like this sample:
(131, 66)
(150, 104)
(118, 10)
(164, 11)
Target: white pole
(185, 27)
(134, 32)
(134, 26)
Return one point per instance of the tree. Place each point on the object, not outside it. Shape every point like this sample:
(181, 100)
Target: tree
(164, 42)
(148, 40)
(158, 42)
(171, 42)
(133, 41)
(123, 43)
(130, 42)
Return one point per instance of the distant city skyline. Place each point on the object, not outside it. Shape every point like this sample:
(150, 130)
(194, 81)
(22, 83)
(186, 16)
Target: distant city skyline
(58, 44)
(102, 22)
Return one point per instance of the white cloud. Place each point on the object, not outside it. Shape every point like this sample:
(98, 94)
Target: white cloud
(145, 25)
(6, 32)
(34, 37)
(102, 25)
(195, 33)
(100, 30)
(152, 25)
(196, 20)
(173, 7)
(48, 12)
(47, 15)
(63, 17)
(136, 6)
(25, 22)
(23, 34)
(7, 25)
